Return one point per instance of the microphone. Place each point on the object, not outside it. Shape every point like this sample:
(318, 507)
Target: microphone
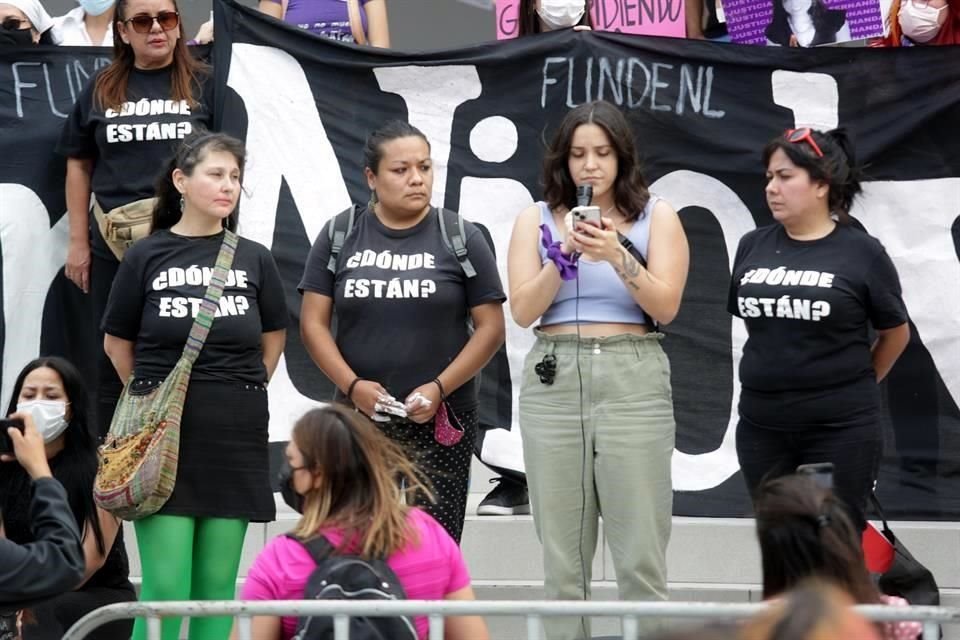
(584, 195)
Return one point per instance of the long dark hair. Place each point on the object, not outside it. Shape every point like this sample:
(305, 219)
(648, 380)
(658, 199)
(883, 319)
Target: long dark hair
(837, 168)
(804, 533)
(358, 468)
(110, 90)
(75, 466)
(528, 22)
(630, 192)
(190, 153)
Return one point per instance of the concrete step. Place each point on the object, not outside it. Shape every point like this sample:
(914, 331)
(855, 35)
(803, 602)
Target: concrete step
(709, 559)
(702, 550)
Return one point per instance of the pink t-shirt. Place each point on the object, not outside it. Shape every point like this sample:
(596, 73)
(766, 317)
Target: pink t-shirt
(428, 569)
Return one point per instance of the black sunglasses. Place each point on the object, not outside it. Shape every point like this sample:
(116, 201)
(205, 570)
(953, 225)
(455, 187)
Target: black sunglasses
(168, 20)
(11, 23)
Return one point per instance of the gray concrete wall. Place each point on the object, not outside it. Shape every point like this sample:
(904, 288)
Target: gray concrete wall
(414, 24)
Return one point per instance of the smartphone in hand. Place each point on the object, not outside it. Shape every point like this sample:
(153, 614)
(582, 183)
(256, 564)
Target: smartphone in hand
(588, 215)
(821, 472)
(6, 444)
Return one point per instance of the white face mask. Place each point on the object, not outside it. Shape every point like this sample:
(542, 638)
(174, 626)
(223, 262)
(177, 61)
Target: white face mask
(797, 7)
(921, 23)
(561, 14)
(49, 416)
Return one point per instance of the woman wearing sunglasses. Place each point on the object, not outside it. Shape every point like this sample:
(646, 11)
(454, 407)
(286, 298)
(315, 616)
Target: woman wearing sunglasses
(825, 321)
(123, 129)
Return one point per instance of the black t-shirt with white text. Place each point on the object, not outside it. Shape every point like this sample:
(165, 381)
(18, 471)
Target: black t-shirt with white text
(157, 293)
(807, 306)
(131, 145)
(402, 300)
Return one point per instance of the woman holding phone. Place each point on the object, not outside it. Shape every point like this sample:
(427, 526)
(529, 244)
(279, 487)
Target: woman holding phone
(596, 410)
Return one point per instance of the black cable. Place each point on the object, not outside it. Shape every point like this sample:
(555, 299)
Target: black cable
(583, 456)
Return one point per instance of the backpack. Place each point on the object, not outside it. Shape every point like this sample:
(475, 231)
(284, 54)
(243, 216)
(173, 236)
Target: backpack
(350, 577)
(451, 228)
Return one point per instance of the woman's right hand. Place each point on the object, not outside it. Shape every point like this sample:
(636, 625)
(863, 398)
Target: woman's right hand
(77, 268)
(365, 395)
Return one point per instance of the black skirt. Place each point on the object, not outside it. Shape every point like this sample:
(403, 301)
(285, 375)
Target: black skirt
(223, 470)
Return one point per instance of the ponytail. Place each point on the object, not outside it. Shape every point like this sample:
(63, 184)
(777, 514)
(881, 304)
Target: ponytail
(837, 168)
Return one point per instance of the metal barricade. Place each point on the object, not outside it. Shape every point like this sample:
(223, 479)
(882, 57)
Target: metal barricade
(534, 611)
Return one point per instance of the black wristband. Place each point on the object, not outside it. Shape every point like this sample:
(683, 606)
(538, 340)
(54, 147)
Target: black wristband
(350, 388)
(443, 394)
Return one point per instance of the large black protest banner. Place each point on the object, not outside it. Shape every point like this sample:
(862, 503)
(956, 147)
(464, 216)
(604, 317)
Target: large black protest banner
(42, 311)
(702, 113)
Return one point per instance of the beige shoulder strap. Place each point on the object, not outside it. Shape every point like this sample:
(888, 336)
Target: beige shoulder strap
(356, 22)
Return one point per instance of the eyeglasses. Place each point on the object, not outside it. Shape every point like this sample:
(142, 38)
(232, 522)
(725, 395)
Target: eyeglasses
(11, 23)
(168, 20)
(805, 134)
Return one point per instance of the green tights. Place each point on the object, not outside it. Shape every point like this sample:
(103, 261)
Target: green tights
(186, 558)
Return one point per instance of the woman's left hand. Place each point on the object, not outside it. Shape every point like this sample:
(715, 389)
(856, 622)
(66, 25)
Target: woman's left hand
(598, 244)
(423, 414)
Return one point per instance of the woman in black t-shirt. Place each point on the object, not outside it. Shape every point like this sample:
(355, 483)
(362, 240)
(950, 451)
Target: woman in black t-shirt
(403, 302)
(190, 549)
(809, 290)
(124, 127)
(53, 392)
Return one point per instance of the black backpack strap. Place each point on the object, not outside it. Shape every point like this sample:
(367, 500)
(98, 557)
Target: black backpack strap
(318, 547)
(340, 228)
(451, 228)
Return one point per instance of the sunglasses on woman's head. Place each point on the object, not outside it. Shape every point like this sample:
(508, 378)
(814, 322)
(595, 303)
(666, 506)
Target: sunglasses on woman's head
(805, 134)
(143, 23)
(11, 23)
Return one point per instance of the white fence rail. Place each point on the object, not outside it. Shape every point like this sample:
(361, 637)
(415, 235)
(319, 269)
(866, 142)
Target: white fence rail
(533, 611)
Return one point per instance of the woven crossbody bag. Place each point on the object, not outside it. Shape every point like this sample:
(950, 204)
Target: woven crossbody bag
(138, 460)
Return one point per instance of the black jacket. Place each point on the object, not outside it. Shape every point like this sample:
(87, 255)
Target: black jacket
(51, 565)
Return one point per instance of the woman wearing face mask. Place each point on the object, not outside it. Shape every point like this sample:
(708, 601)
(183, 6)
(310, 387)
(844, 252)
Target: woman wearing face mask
(342, 477)
(806, 23)
(88, 25)
(540, 16)
(52, 391)
(190, 549)
(24, 23)
(923, 22)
